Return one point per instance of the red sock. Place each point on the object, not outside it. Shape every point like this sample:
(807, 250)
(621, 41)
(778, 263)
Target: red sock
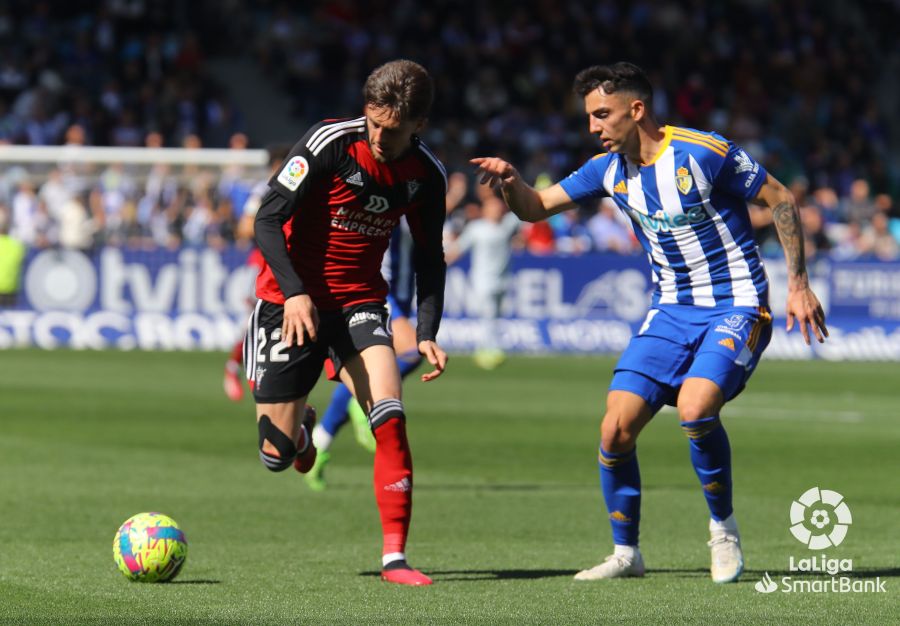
(393, 482)
(237, 353)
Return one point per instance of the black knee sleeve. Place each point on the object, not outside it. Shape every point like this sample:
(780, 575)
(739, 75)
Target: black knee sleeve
(287, 450)
(383, 410)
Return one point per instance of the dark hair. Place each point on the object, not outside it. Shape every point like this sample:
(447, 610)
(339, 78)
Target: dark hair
(402, 86)
(620, 76)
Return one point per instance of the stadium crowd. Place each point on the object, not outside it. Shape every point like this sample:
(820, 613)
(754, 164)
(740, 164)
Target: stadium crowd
(805, 86)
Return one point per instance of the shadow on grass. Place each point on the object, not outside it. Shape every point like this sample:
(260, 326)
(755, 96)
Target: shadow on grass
(196, 581)
(752, 575)
(503, 487)
(749, 576)
(492, 574)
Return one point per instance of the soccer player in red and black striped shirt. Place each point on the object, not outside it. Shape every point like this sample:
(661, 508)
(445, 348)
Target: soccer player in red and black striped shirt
(323, 229)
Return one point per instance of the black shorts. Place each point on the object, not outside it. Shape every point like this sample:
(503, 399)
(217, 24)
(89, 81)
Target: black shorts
(278, 373)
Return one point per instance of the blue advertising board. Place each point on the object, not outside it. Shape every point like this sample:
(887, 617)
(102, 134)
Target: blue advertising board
(198, 299)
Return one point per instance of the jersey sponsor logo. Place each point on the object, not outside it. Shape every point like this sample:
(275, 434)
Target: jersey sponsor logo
(294, 172)
(355, 179)
(621, 187)
(412, 186)
(683, 180)
(728, 342)
(662, 222)
(363, 223)
(377, 204)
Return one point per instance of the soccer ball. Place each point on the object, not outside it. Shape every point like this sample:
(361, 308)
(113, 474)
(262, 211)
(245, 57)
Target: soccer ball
(149, 547)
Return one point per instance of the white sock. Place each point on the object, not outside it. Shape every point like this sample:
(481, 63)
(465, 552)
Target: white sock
(390, 557)
(321, 438)
(727, 525)
(629, 552)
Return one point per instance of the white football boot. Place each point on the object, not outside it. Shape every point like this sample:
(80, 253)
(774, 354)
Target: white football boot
(727, 561)
(620, 564)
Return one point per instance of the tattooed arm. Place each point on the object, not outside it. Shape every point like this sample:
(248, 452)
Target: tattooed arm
(802, 303)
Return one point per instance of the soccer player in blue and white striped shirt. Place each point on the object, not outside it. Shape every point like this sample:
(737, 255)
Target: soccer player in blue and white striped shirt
(686, 192)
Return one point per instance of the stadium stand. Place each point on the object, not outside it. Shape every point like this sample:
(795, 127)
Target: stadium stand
(806, 86)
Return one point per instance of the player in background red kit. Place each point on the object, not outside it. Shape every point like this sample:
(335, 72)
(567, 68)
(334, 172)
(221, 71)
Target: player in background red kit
(323, 228)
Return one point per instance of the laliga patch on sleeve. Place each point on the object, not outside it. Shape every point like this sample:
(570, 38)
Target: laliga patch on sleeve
(294, 172)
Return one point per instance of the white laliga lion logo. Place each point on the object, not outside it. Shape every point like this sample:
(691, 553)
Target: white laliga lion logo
(766, 585)
(744, 162)
(820, 509)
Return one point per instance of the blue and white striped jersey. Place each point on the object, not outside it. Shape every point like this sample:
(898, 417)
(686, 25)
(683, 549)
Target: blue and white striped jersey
(688, 207)
(397, 267)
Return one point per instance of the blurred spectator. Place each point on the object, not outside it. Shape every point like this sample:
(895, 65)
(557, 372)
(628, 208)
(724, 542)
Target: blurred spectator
(816, 242)
(608, 233)
(877, 240)
(859, 207)
(76, 229)
(12, 254)
(570, 234)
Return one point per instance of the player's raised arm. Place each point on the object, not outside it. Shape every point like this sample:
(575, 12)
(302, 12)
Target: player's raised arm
(802, 303)
(524, 200)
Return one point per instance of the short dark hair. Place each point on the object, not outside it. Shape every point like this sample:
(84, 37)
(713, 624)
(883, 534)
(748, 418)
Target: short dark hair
(403, 86)
(622, 76)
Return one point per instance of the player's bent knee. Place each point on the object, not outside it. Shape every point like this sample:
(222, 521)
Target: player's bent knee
(692, 411)
(615, 438)
(385, 410)
(286, 448)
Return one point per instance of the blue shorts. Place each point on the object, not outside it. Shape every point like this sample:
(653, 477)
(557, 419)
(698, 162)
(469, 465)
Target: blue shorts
(398, 308)
(676, 341)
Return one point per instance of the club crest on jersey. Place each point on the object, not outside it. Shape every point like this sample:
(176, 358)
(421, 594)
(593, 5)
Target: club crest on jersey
(736, 321)
(683, 180)
(412, 186)
(293, 173)
(377, 204)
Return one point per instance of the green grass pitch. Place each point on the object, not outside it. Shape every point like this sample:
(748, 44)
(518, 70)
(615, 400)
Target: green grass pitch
(507, 505)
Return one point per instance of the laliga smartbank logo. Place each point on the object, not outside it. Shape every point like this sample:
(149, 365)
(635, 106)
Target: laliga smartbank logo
(820, 519)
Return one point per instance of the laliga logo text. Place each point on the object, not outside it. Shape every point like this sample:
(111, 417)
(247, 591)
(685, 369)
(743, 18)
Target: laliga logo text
(820, 519)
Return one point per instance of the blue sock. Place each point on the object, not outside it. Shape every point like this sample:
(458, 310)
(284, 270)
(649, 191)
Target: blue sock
(408, 361)
(336, 413)
(711, 458)
(620, 479)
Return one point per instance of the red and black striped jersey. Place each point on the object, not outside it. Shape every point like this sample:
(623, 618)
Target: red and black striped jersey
(327, 219)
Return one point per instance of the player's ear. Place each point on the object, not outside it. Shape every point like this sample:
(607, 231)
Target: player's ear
(638, 110)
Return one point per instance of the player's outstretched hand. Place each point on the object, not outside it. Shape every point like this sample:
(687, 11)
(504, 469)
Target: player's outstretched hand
(495, 171)
(804, 307)
(436, 356)
(300, 315)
